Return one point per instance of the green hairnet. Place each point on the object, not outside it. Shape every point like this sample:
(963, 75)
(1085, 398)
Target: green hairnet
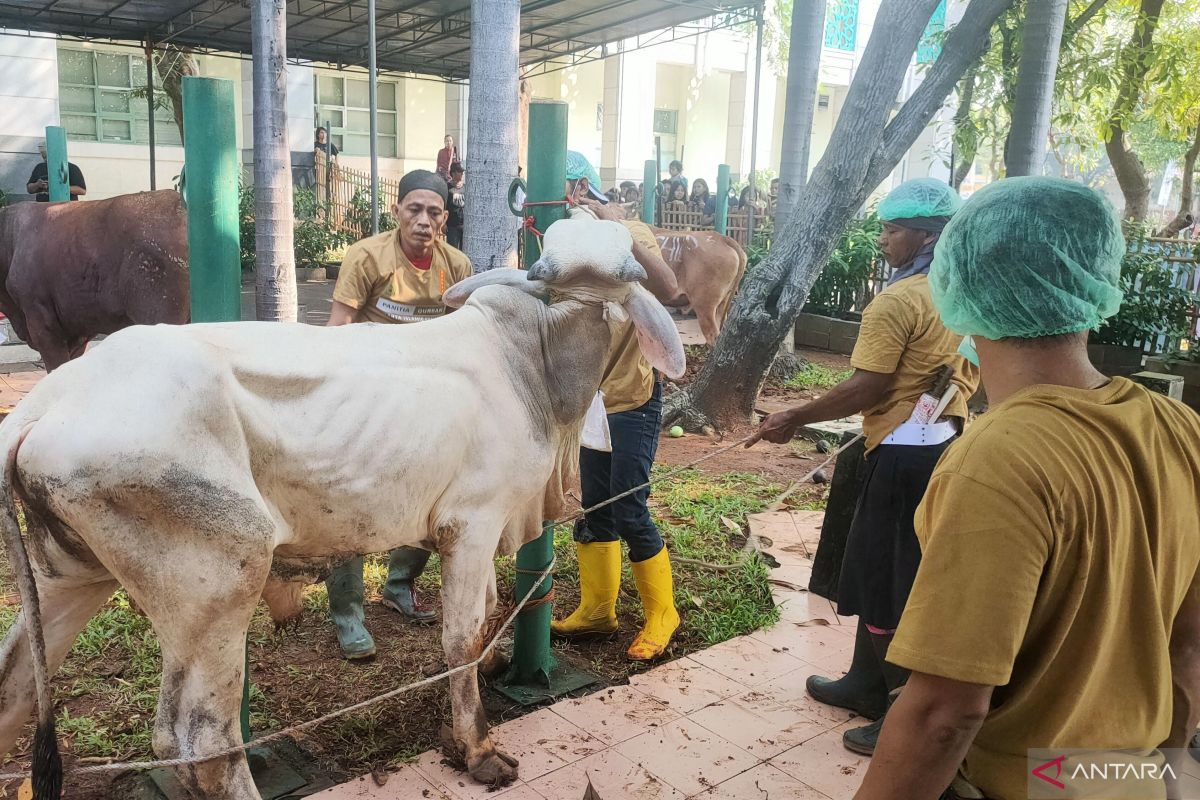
(579, 167)
(1029, 257)
(920, 197)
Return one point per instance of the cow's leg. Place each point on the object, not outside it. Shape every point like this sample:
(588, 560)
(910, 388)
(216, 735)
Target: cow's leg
(705, 302)
(495, 661)
(201, 626)
(467, 571)
(47, 336)
(66, 605)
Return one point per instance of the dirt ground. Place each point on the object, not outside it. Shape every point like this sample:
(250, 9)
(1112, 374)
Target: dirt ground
(298, 673)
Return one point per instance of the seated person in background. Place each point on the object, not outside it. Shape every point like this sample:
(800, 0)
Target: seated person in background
(1057, 604)
(630, 193)
(454, 208)
(699, 196)
(613, 195)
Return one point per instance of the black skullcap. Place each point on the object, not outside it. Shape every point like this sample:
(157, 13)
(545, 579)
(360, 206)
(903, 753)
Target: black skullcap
(423, 179)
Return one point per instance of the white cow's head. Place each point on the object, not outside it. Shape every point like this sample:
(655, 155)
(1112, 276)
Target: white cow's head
(592, 261)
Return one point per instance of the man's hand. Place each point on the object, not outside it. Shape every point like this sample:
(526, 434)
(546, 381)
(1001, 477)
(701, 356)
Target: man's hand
(601, 210)
(779, 428)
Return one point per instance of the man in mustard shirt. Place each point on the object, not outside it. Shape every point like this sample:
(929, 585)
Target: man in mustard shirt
(900, 347)
(633, 400)
(395, 277)
(1058, 601)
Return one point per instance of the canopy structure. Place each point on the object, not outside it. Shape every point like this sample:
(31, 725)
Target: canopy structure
(431, 37)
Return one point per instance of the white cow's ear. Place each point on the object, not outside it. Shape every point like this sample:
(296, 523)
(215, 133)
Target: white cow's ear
(456, 296)
(656, 332)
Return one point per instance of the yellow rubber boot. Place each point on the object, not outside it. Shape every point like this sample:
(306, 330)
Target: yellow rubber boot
(599, 582)
(654, 584)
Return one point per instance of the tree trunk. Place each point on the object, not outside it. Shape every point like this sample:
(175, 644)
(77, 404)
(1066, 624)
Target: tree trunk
(1136, 58)
(274, 261)
(864, 149)
(966, 140)
(804, 68)
(173, 64)
(1186, 217)
(1040, 41)
(492, 130)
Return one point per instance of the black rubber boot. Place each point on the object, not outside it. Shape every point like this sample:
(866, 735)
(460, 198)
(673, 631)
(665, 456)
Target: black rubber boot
(862, 689)
(862, 740)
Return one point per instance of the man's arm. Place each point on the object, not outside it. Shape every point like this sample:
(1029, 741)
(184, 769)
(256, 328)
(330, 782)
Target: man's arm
(860, 391)
(341, 314)
(1185, 677)
(35, 184)
(925, 737)
(78, 185)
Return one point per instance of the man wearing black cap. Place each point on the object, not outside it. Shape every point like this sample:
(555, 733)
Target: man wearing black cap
(394, 277)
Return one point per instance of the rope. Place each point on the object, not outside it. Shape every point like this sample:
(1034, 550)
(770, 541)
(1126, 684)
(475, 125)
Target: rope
(527, 602)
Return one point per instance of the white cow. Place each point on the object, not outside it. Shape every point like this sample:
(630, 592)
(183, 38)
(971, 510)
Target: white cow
(189, 464)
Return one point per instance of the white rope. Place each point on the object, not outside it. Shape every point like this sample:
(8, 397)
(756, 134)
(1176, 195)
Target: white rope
(122, 766)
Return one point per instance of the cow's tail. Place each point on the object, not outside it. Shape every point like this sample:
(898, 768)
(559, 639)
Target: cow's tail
(47, 764)
(737, 283)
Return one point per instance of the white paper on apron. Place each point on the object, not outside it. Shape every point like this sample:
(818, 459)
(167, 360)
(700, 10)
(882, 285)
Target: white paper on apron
(595, 426)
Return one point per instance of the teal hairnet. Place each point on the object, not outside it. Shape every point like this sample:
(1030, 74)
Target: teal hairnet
(1029, 257)
(920, 197)
(579, 167)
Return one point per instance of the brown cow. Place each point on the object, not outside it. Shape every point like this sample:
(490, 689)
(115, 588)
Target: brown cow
(73, 271)
(709, 268)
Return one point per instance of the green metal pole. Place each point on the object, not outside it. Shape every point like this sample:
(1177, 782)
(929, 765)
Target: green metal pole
(547, 168)
(56, 164)
(532, 662)
(649, 190)
(721, 220)
(211, 192)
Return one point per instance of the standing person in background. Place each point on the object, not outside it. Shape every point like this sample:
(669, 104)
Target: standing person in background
(675, 169)
(395, 277)
(325, 154)
(447, 156)
(454, 209)
(38, 184)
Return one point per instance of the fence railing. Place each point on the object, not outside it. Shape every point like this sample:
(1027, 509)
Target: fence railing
(691, 220)
(345, 195)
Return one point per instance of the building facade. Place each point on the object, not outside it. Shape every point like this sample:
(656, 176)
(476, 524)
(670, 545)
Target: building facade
(691, 99)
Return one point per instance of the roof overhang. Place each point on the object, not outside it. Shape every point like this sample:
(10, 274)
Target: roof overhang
(430, 37)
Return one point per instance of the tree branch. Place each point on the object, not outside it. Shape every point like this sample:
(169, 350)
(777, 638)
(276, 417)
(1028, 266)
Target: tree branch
(1085, 16)
(964, 46)
(1185, 217)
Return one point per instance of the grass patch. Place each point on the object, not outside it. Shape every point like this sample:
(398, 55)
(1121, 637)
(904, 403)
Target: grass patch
(817, 376)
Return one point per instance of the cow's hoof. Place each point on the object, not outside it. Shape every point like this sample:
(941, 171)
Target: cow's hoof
(494, 769)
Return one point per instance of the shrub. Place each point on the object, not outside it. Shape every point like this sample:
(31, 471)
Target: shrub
(312, 234)
(846, 278)
(1156, 311)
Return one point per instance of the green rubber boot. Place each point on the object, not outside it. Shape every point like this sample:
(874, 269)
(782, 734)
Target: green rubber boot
(405, 565)
(345, 588)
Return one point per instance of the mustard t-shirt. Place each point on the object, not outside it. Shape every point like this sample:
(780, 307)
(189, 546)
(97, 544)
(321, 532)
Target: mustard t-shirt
(628, 379)
(379, 281)
(1059, 538)
(902, 335)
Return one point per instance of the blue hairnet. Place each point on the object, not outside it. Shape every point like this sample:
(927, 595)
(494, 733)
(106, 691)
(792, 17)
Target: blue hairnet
(920, 197)
(1029, 257)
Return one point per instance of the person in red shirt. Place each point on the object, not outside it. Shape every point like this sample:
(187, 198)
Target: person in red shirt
(446, 156)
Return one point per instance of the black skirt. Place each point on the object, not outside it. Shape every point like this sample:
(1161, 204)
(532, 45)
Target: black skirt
(882, 552)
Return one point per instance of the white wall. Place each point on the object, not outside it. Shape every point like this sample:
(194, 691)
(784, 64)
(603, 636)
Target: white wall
(582, 89)
(28, 103)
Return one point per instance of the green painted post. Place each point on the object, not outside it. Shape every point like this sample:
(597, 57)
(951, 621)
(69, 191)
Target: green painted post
(547, 168)
(721, 219)
(211, 192)
(649, 190)
(56, 164)
(532, 662)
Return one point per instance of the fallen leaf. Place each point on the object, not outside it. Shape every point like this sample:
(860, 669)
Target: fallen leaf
(786, 584)
(812, 623)
(379, 775)
(590, 793)
(731, 525)
(697, 601)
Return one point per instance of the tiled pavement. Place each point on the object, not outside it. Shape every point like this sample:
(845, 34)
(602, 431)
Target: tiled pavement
(729, 723)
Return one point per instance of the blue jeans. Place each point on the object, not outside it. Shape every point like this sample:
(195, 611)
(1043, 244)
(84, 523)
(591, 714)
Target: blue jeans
(604, 475)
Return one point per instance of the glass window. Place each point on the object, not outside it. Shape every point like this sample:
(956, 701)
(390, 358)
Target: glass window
(345, 104)
(101, 98)
(841, 24)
